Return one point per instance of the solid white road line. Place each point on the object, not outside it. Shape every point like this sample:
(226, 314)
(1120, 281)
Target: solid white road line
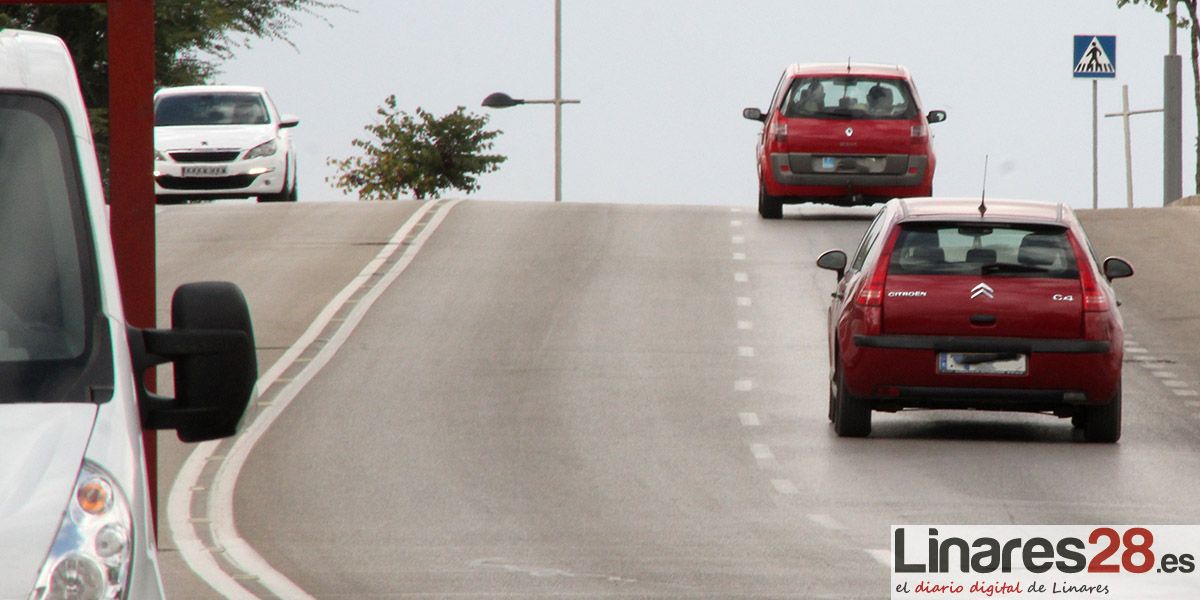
(221, 499)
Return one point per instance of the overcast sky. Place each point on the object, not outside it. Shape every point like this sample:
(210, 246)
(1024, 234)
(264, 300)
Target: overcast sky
(663, 83)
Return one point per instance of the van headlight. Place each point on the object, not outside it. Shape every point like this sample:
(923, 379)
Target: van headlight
(263, 149)
(91, 554)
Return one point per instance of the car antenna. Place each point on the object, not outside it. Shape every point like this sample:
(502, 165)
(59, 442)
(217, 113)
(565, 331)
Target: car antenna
(983, 195)
(847, 65)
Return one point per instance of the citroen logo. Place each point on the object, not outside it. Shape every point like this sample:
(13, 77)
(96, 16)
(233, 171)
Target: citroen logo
(982, 289)
(849, 131)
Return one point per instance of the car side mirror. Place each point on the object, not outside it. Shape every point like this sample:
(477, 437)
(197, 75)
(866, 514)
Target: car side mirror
(1116, 268)
(936, 116)
(287, 121)
(211, 343)
(833, 260)
(754, 114)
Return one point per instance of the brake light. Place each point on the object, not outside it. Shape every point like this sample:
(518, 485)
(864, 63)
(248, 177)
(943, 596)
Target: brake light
(1094, 299)
(870, 297)
(919, 131)
(779, 132)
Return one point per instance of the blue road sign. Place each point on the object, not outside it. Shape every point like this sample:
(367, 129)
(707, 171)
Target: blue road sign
(1095, 56)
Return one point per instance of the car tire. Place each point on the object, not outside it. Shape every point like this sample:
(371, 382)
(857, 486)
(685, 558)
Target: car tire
(852, 416)
(1102, 423)
(769, 207)
(833, 387)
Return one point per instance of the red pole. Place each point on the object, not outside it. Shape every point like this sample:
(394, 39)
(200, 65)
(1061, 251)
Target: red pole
(131, 160)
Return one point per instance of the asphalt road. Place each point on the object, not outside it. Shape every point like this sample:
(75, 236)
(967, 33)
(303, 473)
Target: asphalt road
(628, 401)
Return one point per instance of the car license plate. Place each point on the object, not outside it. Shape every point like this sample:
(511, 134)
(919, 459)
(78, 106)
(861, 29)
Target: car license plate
(205, 171)
(980, 363)
(829, 163)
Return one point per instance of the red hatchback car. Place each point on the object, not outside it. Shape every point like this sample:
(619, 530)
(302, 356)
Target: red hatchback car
(953, 303)
(843, 134)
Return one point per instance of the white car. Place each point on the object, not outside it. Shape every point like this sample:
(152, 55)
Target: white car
(74, 498)
(222, 141)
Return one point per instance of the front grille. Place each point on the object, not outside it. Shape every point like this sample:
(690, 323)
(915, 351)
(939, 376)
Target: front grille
(231, 182)
(205, 156)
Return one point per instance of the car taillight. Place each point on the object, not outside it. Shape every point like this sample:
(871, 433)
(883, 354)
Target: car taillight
(1095, 303)
(919, 131)
(779, 132)
(870, 297)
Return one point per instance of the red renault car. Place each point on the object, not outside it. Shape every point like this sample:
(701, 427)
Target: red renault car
(957, 303)
(843, 134)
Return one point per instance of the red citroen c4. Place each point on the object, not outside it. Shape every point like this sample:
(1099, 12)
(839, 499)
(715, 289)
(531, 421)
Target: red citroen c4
(958, 303)
(843, 134)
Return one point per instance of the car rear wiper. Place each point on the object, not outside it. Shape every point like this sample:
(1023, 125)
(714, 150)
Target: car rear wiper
(999, 267)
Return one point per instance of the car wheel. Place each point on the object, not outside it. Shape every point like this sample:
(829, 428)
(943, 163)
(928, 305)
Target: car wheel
(769, 207)
(852, 416)
(1079, 419)
(1102, 424)
(833, 389)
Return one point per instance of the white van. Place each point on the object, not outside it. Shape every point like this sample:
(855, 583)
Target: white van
(74, 503)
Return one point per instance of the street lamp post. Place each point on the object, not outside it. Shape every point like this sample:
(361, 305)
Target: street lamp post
(502, 100)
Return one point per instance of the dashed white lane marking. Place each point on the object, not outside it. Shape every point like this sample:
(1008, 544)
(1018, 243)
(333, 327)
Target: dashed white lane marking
(1174, 383)
(743, 385)
(743, 301)
(735, 210)
(745, 325)
(746, 351)
(735, 223)
(1186, 392)
(1192, 403)
(739, 256)
(762, 452)
(1135, 349)
(1163, 374)
(826, 521)
(738, 239)
(741, 277)
(749, 419)
(883, 557)
(785, 486)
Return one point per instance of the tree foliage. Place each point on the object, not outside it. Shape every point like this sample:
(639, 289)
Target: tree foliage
(191, 39)
(1192, 24)
(421, 154)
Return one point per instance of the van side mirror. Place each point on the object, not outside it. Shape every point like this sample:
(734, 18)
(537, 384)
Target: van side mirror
(211, 343)
(936, 116)
(833, 260)
(1116, 268)
(754, 114)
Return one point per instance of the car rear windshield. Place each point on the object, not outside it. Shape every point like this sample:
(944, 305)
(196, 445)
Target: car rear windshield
(839, 97)
(1011, 250)
(225, 108)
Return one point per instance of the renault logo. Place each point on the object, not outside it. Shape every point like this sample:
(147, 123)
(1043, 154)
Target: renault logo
(982, 289)
(849, 131)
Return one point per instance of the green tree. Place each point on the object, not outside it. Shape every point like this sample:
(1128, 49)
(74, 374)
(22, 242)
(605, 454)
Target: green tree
(191, 38)
(424, 155)
(1193, 26)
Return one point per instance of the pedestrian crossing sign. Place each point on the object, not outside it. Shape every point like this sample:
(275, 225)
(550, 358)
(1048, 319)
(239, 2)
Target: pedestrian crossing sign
(1095, 56)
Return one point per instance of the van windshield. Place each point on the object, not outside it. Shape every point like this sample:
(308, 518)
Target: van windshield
(1015, 250)
(841, 97)
(48, 294)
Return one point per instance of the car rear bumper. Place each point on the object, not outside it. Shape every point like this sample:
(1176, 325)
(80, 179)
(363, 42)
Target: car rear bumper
(901, 371)
(866, 171)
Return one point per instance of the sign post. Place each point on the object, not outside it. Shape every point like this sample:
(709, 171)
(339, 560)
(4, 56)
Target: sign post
(1095, 57)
